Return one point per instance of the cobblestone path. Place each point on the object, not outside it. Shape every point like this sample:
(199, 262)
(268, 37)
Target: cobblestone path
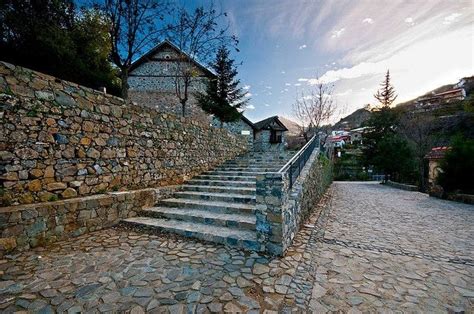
(374, 248)
(387, 249)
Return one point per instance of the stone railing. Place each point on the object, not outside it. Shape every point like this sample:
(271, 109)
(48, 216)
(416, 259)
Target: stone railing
(281, 209)
(59, 140)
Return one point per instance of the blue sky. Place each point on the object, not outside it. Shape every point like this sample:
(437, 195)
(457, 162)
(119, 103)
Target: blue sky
(286, 44)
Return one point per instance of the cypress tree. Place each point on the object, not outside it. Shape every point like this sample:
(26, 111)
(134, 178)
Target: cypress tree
(223, 96)
(386, 94)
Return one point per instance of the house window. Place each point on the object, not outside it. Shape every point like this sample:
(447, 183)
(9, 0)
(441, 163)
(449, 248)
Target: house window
(275, 137)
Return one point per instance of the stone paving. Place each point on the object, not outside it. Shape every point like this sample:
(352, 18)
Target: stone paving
(386, 249)
(369, 248)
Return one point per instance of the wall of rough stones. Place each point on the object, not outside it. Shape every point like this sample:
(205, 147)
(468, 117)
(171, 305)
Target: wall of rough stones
(280, 211)
(59, 140)
(262, 142)
(26, 226)
(236, 128)
(152, 84)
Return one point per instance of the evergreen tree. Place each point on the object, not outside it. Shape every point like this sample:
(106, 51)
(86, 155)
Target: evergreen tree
(458, 167)
(223, 96)
(383, 148)
(386, 94)
(53, 37)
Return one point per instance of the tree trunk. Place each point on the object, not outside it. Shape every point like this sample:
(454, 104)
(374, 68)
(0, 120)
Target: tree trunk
(124, 79)
(183, 108)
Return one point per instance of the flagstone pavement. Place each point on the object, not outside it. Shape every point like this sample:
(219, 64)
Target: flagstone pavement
(366, 248)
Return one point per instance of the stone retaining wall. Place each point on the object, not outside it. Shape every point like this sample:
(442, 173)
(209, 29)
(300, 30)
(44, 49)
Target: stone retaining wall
(26, 226)
(280, 211)
(59, 140)
(402, 186)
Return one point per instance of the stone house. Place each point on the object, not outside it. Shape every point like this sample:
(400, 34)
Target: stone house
(152, 83)
(269, 135)
(152, 80)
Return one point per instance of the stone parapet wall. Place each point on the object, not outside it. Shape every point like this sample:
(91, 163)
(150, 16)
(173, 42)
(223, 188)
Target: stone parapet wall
(280, 211)
(26, 226)
(59, 140)
(402, 186)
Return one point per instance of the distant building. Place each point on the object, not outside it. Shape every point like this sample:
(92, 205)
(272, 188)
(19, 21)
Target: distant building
(358, 134)
(441, 98)
(270, 135)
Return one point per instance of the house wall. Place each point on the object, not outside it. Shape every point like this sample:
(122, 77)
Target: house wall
(236, 128)
(152, 84)
(262, 142)
(59, 140)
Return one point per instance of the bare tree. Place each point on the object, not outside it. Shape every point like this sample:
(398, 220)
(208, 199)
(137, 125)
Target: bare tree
(198, 34)
(314, 108)
(135, 27)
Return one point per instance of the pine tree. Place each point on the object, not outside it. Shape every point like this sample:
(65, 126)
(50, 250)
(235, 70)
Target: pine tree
(223, 96)
(386, 94)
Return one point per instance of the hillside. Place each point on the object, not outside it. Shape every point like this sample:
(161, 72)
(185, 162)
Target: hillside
(354, 120)
(292, 126)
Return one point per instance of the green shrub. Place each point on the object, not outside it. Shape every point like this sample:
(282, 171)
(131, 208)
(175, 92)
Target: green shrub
(458, 167)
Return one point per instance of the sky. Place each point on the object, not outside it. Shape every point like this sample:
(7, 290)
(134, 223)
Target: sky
(285, 45)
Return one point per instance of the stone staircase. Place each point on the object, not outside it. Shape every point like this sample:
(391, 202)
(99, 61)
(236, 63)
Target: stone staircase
(217, 205)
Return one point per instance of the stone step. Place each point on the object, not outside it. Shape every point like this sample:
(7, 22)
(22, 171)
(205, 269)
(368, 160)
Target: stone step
(252, 169)
(219, 189)
(224, 177)
(220, 197)
(239, 221)
(222, 183)
(219, 172)
(245, 239)
(215, 206)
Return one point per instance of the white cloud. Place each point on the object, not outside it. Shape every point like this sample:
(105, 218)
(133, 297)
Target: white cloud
(250, 107)
(248, 94)
(268, 87)
(347, 92)
(359, 70)
(302, 80)
(302, 47)
(297, 84)
(451, 18)
(368, 20)
(267, 105)
(409, 20)
(283, 72)
(338, 33)
(246, 87)
(287, 84)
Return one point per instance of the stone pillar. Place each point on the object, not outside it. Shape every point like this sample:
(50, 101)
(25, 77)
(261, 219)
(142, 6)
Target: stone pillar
(271, 197)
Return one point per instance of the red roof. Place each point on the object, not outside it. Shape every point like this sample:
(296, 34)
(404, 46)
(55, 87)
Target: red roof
(437, 152)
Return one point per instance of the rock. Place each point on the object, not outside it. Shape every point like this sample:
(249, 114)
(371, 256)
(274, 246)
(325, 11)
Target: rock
(54, 186)
(69, 193)
(259, 269)
(34, 185)
(93, 153)
(7, 244)
(60, 139)
(215, 307)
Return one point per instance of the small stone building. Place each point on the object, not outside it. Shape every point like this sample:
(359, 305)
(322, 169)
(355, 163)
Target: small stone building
(269, 135)
(434, 158)
(152, 80)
